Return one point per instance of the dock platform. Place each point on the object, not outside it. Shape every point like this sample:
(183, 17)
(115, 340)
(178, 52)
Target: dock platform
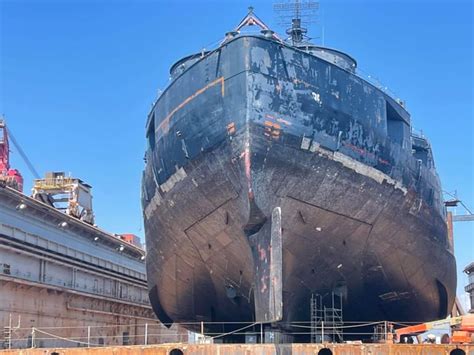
(261, 349)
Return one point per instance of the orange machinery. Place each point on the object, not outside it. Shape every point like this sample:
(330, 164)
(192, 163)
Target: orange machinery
(462, 328)
(131, 239)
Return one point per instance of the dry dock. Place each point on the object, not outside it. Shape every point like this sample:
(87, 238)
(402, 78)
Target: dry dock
(58, 271)
(264, 349)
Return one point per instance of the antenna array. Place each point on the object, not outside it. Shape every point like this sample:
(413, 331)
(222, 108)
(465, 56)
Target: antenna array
(304, 10)
(293, 14)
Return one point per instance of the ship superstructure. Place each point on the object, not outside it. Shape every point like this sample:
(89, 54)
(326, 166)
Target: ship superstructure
(275, 174)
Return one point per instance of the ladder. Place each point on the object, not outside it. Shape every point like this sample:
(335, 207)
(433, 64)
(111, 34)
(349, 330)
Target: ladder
(7, 336)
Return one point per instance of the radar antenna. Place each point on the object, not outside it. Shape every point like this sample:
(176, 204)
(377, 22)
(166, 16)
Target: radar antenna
(298, 11)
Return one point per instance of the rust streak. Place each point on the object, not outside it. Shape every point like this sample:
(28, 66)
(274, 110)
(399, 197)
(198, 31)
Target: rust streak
(165, 123)
(248, 172)
(281, 120)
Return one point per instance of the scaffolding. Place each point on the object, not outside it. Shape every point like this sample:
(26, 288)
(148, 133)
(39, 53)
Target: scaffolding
(326, 318)
(317, 316)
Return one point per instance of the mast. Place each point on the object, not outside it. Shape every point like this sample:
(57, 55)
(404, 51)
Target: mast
(299, 12)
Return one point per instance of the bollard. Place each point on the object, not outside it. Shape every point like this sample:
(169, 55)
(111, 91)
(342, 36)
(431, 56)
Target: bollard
(88, 336)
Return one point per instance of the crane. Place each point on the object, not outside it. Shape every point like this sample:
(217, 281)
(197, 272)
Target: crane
(12, 177)
(454, 202)
(463, 218)
(8, 176)
(23, 155)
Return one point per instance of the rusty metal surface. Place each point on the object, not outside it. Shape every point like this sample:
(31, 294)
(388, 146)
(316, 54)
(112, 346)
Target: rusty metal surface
(264, 349)
(256, 125)
(267, 249)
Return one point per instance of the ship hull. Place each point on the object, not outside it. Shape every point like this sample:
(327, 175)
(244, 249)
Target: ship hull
(352, 223)
(379, 256)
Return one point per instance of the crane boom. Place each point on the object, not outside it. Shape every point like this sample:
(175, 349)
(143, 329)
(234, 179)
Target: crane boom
(23, 155)
(463, 218)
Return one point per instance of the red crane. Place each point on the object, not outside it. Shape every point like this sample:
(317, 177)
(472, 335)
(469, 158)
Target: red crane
(9, 177)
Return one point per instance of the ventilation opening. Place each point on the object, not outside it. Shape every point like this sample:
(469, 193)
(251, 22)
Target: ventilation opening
(395, 125)
(457, 352)
(325, 351)
(443, 300)
(150, 134)
(176, 351)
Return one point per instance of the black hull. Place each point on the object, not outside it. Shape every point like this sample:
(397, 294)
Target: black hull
(368, 226)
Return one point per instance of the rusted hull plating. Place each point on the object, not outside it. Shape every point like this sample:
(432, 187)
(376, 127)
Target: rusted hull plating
(255, 126)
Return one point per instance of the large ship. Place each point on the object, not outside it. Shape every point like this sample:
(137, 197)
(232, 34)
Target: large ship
(276, 174)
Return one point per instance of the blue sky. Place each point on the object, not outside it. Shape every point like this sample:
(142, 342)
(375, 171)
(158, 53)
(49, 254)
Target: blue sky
(77, 79)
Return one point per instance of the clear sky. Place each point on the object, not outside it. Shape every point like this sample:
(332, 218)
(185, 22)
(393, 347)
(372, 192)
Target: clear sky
(77, 79)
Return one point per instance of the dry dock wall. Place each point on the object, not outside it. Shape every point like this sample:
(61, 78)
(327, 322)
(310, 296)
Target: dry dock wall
(264, 349)
(70, 279)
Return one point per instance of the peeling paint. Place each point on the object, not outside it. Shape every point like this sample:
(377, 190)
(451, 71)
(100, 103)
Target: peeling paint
(156, 201)
(363, 169)
(316, 97)
(305, 143)
(173, 180)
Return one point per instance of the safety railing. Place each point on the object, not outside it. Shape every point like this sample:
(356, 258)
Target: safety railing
(203, 332)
